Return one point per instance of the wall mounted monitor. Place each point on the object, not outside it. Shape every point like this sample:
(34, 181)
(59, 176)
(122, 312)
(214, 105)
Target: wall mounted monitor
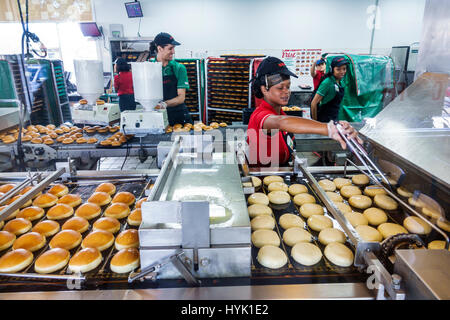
(134, 9)
(90, 29)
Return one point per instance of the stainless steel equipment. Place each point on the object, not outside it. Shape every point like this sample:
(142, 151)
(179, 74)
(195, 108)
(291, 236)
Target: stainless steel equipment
(148, 91)
(141, 123)
(423, 269)
(194, 208)
(381, 270)
(90, 82)
(104, 114)
(83, 184)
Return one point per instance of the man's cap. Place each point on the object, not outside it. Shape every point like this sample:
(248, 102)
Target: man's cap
(320, 61)
(338, 61)
(272, 65)
(164, 38)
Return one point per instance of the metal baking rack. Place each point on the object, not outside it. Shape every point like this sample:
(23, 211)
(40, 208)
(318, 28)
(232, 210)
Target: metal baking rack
(84, 186)
(324, 270)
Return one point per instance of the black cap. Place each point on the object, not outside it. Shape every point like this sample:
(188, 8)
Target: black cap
(338, 61)
(272, 65)
(164, 38)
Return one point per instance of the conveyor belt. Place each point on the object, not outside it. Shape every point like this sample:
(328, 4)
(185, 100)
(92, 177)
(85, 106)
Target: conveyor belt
(394, 216)
(293, 272)
(100, 274)
(103, 278)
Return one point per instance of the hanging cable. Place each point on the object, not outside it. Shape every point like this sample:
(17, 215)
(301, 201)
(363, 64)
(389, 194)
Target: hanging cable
(20, 153)
(27, 35)
(139, 28)
(25, 41)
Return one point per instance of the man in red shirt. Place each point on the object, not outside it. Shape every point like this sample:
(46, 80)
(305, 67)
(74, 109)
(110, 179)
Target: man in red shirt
(270, 131)
(123, 84)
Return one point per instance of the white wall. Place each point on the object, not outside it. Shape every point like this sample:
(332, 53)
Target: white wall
(214, 27)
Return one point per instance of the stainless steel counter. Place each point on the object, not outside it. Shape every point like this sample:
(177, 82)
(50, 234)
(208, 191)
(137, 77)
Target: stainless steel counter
(271, 292)
(416, 126)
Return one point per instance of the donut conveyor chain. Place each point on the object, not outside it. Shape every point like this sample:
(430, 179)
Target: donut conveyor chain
(84, 186)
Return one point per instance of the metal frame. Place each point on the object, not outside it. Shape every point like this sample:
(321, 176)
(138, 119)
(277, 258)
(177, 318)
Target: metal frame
(393, 195)
(247, 292)
(207, 108)
(364, 250)
(65, 176)
(27, 196)
(199, 90)
(264, 292)
(56, 90)
(120, 40)
(199, 85)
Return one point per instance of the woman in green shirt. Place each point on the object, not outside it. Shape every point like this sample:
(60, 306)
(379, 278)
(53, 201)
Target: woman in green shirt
(327, 101)
(175, 79)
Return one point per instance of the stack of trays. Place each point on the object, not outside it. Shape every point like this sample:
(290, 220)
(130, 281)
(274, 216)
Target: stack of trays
(192, 100)
(228, 88)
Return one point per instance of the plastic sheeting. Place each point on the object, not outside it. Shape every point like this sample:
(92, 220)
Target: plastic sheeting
(434, 53)
(366, 79)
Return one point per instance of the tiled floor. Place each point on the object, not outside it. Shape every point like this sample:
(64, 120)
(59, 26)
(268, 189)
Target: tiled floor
(131, 163)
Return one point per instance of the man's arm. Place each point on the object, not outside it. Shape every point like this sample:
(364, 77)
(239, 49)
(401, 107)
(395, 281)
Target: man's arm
(178, 99)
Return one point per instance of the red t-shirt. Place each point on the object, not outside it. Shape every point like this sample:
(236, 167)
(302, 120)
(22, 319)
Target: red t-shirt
(261, 144)
(123, 83)
(317, 77)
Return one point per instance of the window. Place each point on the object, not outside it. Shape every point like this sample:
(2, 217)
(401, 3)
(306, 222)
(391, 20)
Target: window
(64, 41)
(75, 46)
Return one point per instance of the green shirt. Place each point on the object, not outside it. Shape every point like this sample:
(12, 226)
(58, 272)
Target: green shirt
(180, 72)
(328, 89)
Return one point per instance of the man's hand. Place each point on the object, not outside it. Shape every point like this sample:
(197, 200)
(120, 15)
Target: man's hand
(161, 106)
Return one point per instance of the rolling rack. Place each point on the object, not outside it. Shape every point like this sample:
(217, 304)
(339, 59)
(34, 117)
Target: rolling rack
(50, 103)
(195, 95)
(227, 88)
(13, 80)
(60, 89)
(131, 49)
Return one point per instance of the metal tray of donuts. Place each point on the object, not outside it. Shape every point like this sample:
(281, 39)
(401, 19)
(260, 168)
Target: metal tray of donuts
(323, 271)
(395, 216)
(54, 137)
(28, 279)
